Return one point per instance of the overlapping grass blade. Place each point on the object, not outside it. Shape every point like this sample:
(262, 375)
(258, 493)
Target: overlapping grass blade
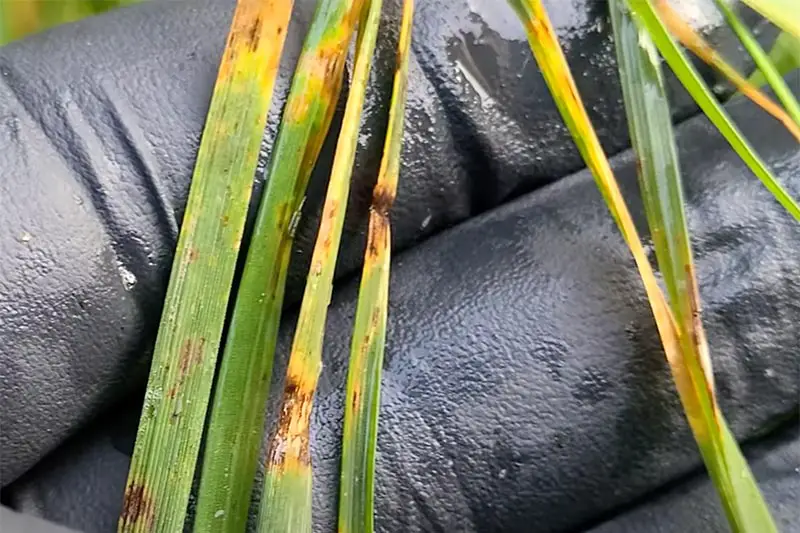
(653, 140)
(555, 70)
(646, 17)
(556, 73)
(184, 359)
(784, 54)
(362, 401)
(286, 500)
(782, 13)
(762, 61)
(694, 42)
(236, 425)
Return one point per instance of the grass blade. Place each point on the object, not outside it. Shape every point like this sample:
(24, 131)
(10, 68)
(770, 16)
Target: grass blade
(554, 68)
(784, 54)
(762, 61)
(556, 73)
(286, 500)
(647, 18)
(171, 424)
(236, 425)
(782, 13)
(362, 402)
(694, 42)
(653, 140)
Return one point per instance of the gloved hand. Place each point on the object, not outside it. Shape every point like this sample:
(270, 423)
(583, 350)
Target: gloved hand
(524, 386)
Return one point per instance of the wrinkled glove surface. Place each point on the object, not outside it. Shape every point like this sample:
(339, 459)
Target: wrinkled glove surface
(524, 385)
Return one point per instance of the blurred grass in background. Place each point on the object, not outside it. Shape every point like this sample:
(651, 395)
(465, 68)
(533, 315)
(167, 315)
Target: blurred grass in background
(19, 18)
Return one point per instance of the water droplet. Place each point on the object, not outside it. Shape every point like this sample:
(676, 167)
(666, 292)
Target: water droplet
(475, 79)
(219, 514)
(502, 474)
(128, 278)
(426, 221)
(25, 237)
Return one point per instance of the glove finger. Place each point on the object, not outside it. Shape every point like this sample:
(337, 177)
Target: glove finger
(693, 505)
(524, 386)
(524, 375)
(99, 125)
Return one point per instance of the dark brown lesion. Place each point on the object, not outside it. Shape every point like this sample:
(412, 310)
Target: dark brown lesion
(378, 237)
(137, 507)
(356, 399)
(290, 446)
(382, 199)
(253, 34)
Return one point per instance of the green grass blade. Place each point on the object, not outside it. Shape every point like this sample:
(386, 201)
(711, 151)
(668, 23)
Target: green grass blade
(645, 15)
(362, 401)
(653, 140)
(782, 13)
(762, 61)
(286, 500)
(553, 65)
(784, 54)
(235, 431)
(171, 425)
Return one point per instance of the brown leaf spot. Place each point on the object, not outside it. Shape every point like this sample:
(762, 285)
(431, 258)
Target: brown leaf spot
(137, 506)
(378, 237)
(193, 254)
(290, 446)
(254, 34)
(191, 354)
(323, 69)
(225, 220)
(382, 199)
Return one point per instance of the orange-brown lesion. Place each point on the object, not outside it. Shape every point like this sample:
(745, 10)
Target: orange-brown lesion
(254, 23)
(289, 449)
(191, 354)
(320, 69)
(322, 66)
(378, 238)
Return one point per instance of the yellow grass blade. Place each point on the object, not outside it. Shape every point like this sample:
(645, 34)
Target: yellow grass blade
(782, 13)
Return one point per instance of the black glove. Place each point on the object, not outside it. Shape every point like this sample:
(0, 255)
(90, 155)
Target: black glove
(524, 384)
